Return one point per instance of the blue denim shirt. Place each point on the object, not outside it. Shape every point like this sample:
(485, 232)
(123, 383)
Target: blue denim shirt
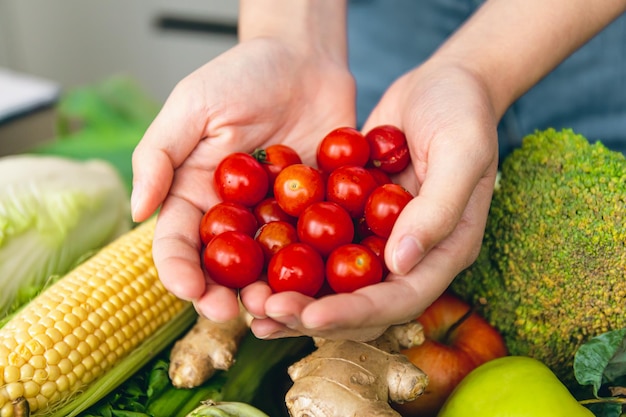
(587, 92)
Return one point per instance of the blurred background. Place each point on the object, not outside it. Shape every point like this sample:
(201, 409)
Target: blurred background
(76, 42)
(84, 78)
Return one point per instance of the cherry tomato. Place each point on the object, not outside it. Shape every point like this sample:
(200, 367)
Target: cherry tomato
(274, 236)
(377, 245)
(239, 178)
(233, 259)
(274, 158)
(384, 206)
(226, 216)
(325, 225)
(342, 146)
(297, 186)
(379, 175)
(389, 150)
(268, 210)
(350, 186)
(361, 229)
(352, 266)
(296, 267)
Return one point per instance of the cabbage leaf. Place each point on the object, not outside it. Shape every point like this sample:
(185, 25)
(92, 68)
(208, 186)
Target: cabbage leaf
(53, 211)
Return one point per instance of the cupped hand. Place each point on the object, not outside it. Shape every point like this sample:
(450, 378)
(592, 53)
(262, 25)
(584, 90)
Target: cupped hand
(450, 125)
(260, 92)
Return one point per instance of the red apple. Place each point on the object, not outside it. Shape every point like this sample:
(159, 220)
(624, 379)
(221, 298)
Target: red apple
(457, 340)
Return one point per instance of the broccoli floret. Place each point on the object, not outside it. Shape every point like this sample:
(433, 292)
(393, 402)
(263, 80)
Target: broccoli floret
(552, 269)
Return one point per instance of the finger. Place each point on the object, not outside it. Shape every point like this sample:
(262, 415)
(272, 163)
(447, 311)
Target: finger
(452, 178)
(176, 249)
(167, 142)
(400, 298)
(370, 307)
(366, 313)
(254, 296)
(152, 178)
(218, 303)
(286, 307)
(286, 311)
(270, 329)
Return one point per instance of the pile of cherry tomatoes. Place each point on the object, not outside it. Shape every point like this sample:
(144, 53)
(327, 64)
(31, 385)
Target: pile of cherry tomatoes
(314, 230)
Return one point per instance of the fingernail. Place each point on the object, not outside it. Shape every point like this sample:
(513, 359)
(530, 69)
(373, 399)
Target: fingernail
(318, 325)
(135, 198)
(278, 335)
(288, 320)
(257, 316)
(406, 255)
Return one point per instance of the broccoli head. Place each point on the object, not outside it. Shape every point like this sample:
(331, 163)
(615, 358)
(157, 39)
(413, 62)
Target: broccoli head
(552, 269)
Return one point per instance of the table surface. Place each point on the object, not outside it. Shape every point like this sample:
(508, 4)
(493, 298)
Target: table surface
(21, 94)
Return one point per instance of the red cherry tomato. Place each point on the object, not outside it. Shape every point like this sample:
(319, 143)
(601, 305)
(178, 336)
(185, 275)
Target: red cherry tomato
(350, 186)
(325, 225)
(239, 178)
(274, 236)
(268, 210)
(226, 216)
(352, 266)
(233, 259)
(276, 157)
(389, 150)
(384, 206)
(296, 267)
(342, 146)
(377, 245)
(361, 229)
(297, 186)
(379, 175)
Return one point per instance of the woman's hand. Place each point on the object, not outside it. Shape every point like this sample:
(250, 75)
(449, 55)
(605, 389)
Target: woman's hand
(262, 91)
(451, 129)
(449, 109)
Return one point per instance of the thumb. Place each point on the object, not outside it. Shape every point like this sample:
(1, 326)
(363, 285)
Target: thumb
(152, 178)
(169, 139)
(453, 201)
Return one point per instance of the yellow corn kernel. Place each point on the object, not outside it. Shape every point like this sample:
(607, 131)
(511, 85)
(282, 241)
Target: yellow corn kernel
(82, 325)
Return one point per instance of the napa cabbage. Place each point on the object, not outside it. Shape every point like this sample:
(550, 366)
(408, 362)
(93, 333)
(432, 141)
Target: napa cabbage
(54, 211)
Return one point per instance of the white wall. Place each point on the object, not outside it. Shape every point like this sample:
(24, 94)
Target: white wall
(77, 42)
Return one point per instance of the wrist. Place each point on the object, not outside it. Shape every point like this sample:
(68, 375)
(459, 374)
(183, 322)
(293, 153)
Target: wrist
(511, 45)
(310, 26)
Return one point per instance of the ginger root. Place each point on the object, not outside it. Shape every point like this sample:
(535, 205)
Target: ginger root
(207, 347)
(345, 378)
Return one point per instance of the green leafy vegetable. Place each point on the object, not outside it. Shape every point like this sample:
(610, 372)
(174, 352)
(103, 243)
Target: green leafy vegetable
(53, 210)
(149, 393)
(105, 120)
(601, 364)
(259, 375)
(47, 210)
(258, 378)
(226, 409)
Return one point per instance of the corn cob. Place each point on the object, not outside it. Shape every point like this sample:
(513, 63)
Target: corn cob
(83, 325)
